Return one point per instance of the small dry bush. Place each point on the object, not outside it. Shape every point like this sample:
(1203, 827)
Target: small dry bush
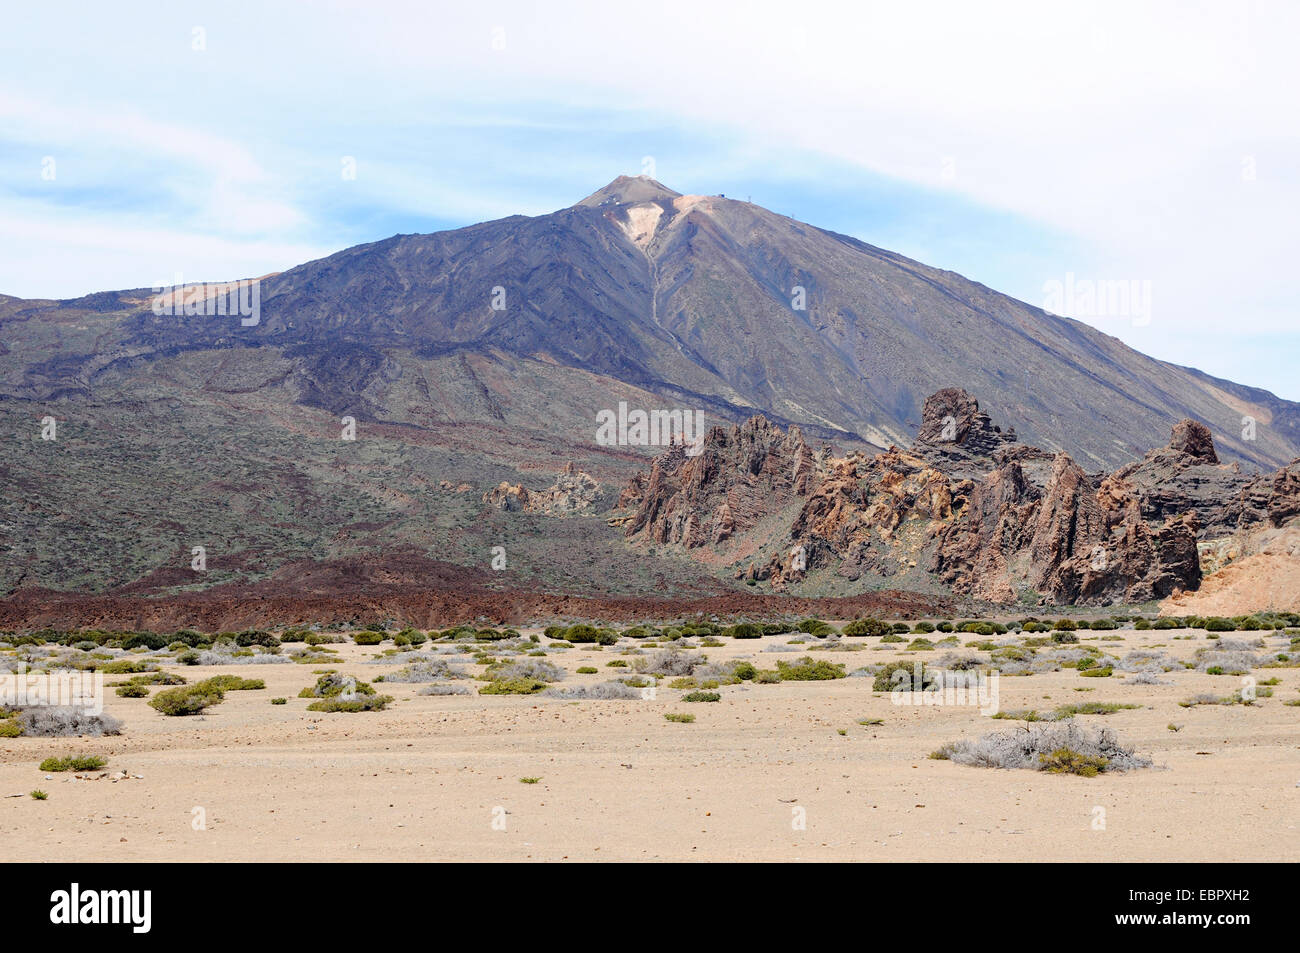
(1040, 749)
(605, 691)
(58, 722)
(669, 663)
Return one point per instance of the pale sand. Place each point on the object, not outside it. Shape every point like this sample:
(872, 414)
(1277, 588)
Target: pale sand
(618, 782)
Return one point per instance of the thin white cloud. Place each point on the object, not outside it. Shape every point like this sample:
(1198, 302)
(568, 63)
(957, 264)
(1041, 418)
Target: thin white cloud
(1163, 135)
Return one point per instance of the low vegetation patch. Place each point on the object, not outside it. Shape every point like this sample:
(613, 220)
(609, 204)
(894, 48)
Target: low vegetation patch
(1065, 747)
(904, 676)
(59, 722)
(332, 685)
(513, 686)
(701, 697)
(808, 670)
(360, 703)
(189, 700)
(75, 763)
(604, 691)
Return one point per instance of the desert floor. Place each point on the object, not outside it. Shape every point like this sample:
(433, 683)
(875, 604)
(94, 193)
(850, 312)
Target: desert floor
(437, 778)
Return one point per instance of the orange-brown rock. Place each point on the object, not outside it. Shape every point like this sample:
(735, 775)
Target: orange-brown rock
(983, 514)
(574, 492)
(740, 474)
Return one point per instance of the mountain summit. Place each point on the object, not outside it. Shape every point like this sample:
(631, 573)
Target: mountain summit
(628, 190)
(692, 299)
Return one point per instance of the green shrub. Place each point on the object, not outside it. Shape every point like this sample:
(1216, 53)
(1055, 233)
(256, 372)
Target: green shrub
(231, 683)
(78, 763)
(915, 677)
(807, 670)
(332, 684)
(580, 634)
(867, 627)
(701, 697)
(123, 667)
(923, 628)
(744, 630)
(367, 638)
(145, 640)
(679, 718)
(132, 690)
(587, 670)
(745, 671)
(189, 700)
(251, 637)
(279, 701)
(1069, 761)
(513, 686)
(362, 703)
(1064, 625)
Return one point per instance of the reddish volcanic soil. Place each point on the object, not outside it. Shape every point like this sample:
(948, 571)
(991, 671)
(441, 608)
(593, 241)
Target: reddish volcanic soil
(414, 590)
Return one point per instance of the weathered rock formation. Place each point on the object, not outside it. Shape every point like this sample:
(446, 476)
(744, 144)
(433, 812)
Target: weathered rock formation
(956, 436)
(1186, 476)
(574, 492)
(967, 504)
(741, 474)
(1283, 503)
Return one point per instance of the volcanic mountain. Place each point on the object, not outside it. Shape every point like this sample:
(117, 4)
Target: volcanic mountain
(481, 356)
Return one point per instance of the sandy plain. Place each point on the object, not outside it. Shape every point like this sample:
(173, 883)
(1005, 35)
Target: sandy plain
(765, 774)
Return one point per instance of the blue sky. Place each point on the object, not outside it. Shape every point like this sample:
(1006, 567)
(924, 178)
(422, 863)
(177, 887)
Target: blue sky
(1157, 145)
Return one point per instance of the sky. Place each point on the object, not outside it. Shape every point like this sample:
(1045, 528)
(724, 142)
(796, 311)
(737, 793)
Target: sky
(1150, 148)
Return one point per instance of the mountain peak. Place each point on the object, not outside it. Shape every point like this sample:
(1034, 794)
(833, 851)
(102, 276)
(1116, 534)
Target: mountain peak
(629, 190)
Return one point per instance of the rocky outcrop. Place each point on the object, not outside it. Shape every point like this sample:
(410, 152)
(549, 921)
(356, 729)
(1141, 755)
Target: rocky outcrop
(865, 515)
(1283, 502)
(956, 436)
(1186, 476)
(574, 492)
(967, 506)
(740, 475)
(1065, 541)
(1192, 439)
